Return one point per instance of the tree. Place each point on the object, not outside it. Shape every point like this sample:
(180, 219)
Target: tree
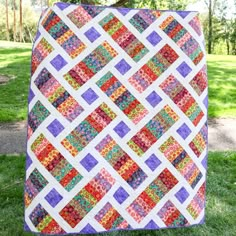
(233, 32)
(7, 22)
(21, 31)
(210, 4)
(14, 20)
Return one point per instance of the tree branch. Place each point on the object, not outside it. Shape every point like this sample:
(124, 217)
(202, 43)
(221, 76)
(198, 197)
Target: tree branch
(120, 3)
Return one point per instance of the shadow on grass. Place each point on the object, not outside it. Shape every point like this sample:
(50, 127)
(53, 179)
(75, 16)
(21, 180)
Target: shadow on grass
(14, 94)
(220, 211)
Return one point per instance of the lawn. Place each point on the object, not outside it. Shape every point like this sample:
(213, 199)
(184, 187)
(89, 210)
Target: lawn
(220, 211)
(222, 85)
(15, 61)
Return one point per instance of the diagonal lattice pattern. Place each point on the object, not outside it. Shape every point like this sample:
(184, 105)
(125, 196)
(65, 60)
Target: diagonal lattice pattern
(117, 126)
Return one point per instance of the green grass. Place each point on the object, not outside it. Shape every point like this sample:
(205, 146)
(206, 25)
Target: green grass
(222, 85)
(15, 61)
(220, 210)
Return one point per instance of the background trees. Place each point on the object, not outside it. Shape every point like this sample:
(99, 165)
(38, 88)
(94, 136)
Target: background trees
(19, 18)
(219, 26)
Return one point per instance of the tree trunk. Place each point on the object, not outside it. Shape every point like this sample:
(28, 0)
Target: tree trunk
(14, 20)
(227, 45)
(233, 51)
(210, 28)
(7, 22)
(21, 30)
(120, 3)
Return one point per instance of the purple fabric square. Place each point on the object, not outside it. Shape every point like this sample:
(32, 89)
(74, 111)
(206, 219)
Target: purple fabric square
(183, 14)
(92, 34)
(184, 69)
(154, 99)
(154, 38)
(153, 162)
(88, 229)
(120, 195)
(184, 131)
(58, 62)
(205, 101)
(55, 128)
(62, 5)
(123, 11)
(53, 197)
(88, 162)
(31, 95)
(204, 162)
(28, 161)
(121, 129)
(151, 225)
(26, 227)
(122, 66)
(182, 195)
(89, 96)
(37, 35)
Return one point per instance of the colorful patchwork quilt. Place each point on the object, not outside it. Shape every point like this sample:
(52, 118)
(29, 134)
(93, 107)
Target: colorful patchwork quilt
(117, 121)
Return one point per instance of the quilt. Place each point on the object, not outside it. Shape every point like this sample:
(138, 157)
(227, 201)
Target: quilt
(117, 121)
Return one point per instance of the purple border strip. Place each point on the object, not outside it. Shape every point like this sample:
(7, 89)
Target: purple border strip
(207, 148)
(26, 228)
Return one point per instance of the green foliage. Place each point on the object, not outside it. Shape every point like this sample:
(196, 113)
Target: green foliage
(223, 39)
(218, 43)
(164, 5)
(220, 47)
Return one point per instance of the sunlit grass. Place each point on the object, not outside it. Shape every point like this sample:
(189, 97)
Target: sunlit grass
(222, 85)
(7, 44)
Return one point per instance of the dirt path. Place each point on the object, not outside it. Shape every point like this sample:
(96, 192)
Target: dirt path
(13, 138)
(222, 136)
